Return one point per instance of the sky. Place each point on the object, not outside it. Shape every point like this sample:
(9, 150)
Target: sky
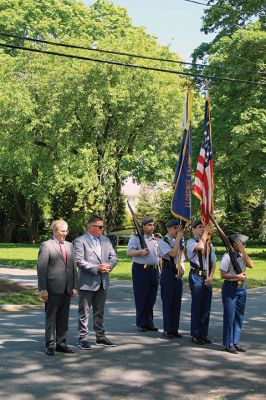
(174, 22)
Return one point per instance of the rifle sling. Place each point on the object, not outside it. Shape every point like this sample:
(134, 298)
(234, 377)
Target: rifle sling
(172, 259)
(200, 267)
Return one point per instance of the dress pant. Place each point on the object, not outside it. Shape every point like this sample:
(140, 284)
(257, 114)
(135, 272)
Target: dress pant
(145, 288)
(171, 295)
(201, 297)
(96, 300)
(56, 318)
(234, 301)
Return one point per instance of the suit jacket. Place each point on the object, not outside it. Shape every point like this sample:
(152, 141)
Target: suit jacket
(88, 261)
(53, 274)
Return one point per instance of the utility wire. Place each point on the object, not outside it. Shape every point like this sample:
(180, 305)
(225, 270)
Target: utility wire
(34, 50)
(222, 7)
(72, 46)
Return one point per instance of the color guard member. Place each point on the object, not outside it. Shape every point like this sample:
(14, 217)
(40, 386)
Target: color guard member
(234, 294)
(145, 275)
(171, 277)
(200, 284)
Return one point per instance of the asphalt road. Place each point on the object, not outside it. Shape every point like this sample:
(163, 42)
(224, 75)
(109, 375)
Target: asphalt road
(142, 366)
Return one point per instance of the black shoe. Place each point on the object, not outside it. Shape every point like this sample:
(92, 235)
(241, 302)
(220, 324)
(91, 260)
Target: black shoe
(231, 349)
(105, 342)
(49, 351)
(64, 349)
(84, 345)
(240, 348)
(151, 328)
(169, 335)
(178, 335)
(206, 340)
(197, 340)
(141, 329)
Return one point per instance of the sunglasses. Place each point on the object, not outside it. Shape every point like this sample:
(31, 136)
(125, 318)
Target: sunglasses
(98, 226)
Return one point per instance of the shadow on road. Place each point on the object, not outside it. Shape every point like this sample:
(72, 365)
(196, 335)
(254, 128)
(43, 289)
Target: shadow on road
(142, 366)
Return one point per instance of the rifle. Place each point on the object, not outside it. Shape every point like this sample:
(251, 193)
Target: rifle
(231, 251)
(138, 227)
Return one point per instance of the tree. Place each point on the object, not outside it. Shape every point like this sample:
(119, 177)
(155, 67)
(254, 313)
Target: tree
(63, 19)
(238, 121)
(228, 16)
(76, 128)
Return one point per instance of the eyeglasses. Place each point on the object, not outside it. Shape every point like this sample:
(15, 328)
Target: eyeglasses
(63, 230)
(98, 226)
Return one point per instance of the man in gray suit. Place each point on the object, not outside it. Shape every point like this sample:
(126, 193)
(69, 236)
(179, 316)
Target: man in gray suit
(95, 258)
(57, 282)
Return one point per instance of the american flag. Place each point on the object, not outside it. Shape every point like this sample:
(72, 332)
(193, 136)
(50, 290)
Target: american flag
(204, 182)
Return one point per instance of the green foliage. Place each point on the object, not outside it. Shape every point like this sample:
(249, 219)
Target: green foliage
(56, 18)
(146, 202)
(71, 130)
(108, 19)
(238, 118)
(63, 19)
(230, 15)
(239, 123)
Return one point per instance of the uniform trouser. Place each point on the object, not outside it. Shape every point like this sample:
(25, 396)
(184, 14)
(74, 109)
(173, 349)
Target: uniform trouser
(171, 295)
(145, 288)
(234, 301)
(96, 300)
(56, 318)
(201, 297)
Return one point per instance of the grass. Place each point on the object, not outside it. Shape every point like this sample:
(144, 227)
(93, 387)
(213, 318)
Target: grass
(25, 255)
(20, 255)
(12, 293)
(256, 277)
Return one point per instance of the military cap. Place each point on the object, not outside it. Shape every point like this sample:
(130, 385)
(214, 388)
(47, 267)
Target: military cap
(196, 222)
(172, 222)
(238, 237)
(146, 220)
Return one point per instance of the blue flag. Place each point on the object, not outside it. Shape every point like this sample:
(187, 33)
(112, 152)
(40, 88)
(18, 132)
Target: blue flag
(181, 201)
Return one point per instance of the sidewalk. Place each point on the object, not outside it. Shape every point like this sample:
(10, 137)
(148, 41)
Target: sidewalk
(142, 366)
(19, 275)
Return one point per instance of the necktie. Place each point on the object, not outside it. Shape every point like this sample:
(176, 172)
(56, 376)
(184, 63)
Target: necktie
(97, 245)
(63, 251)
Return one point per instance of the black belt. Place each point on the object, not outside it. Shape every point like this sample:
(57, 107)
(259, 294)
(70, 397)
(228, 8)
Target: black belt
(145, 266)
(237, 284)
(198, 272)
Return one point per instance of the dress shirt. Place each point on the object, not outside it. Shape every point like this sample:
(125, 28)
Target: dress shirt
(227, 267)
(97, 243)
(152, 244)
(164, 249)
(192, 254)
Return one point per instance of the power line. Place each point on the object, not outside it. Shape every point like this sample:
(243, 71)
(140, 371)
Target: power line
(72, 46)
(222, 7)
(129, 65)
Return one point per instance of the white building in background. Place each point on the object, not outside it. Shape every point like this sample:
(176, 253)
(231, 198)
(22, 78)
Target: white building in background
(131, 190)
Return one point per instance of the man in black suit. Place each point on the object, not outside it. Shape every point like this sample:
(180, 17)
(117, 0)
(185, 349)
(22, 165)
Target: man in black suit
(57, 282)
